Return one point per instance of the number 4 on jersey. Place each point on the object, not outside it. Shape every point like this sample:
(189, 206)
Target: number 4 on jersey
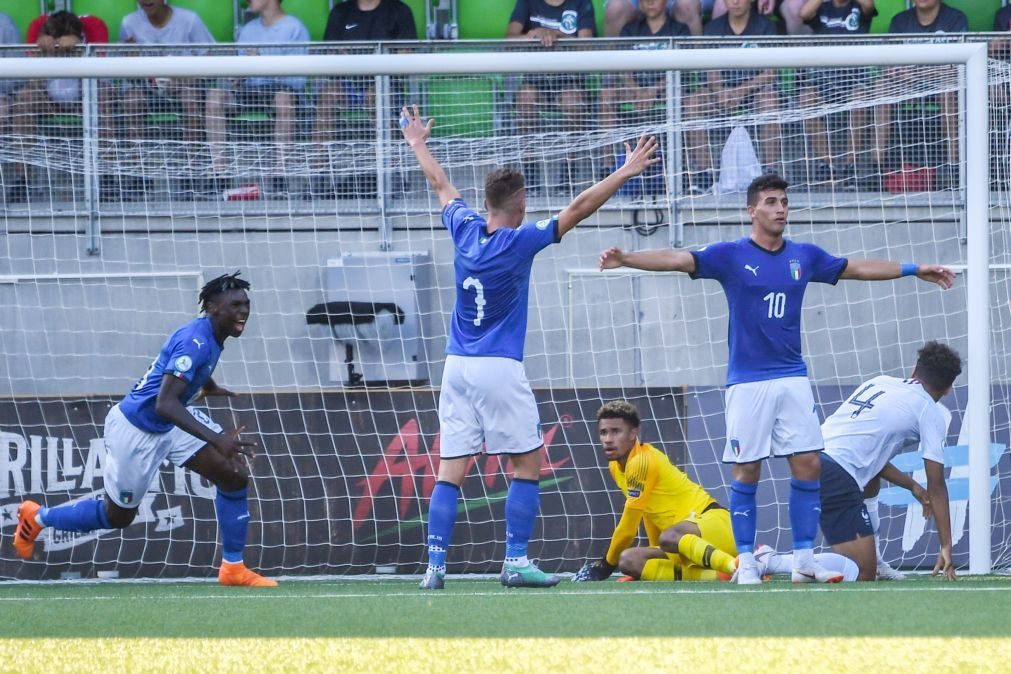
(471, 282)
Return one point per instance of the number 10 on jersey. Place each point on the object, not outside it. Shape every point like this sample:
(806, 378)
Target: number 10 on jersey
(777, 304)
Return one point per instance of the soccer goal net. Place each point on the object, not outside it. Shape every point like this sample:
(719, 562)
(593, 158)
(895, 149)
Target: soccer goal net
(129, 182)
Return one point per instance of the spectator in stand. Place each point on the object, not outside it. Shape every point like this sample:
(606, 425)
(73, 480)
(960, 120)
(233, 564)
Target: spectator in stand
(620, 13)
(788, 10)
(355, 21)
(639, 94)
(926, 17)
(157, 23)
(726, 91)
(1000, 175)
(1002, 20)
(549, 21)
(9, 34)
(835, 17)
(272, 25)
(58, 34)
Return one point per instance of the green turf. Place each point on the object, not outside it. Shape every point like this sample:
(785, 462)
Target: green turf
(920, 607)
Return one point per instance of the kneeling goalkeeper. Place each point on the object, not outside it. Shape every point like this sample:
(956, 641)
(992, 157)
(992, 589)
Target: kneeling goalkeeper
(689, 532)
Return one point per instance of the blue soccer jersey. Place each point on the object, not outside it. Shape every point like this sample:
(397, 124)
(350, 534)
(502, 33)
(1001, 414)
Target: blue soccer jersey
(492, 281)
(765, 293)
(190, 353)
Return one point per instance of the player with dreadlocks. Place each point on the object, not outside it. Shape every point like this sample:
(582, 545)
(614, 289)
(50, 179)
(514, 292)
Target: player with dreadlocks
(156, 421)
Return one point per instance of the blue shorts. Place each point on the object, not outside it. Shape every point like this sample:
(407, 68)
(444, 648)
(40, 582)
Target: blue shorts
(844, 516)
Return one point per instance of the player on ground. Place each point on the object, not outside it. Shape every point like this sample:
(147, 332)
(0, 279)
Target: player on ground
(689, 532)
(485, 396)
(770, 407)
(156, 421)
(884, 415)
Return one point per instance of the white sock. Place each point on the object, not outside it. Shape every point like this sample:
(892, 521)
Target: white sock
(803, 559)
(747, 559)
(838, 563)
(872, 512)
(777, 563)
(517, 561)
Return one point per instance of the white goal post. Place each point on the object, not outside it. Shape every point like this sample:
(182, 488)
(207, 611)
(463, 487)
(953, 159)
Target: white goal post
(973, 57)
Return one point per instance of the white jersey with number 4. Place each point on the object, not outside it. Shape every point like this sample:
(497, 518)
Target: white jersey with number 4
(884, 416)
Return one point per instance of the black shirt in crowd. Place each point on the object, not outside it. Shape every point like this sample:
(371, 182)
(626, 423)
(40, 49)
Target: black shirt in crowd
(390, 20)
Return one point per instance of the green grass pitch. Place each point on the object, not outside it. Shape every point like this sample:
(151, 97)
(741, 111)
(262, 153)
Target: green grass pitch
(476, 625)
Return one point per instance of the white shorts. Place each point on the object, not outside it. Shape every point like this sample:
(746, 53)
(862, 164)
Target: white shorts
(133, 457)
(771, 418)
(486, 399)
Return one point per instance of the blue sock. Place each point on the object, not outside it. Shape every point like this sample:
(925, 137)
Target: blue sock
(805, 499)
(80, 517)
(441, 519)
(232, 509)
(743, 515)
(523, 502)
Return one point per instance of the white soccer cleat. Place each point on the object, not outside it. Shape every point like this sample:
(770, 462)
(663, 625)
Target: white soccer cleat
(747, 575)
(887, 572)
(815, 573)
(762, 554)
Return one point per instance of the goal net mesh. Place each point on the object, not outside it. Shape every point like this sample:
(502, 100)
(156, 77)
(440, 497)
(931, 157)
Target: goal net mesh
(122, 197)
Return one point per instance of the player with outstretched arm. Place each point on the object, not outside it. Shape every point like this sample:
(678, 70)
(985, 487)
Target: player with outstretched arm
(157, 421)
(770, 408)
(485, 397)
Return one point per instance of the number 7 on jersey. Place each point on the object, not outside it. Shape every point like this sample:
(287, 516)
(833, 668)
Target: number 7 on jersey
(471, 282)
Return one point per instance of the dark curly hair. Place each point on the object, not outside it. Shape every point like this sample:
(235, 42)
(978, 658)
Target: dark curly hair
(620, 409)
(937, 365)
(221, 284)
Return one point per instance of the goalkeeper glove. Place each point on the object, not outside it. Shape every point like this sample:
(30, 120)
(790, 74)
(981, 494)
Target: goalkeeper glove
(598, 570)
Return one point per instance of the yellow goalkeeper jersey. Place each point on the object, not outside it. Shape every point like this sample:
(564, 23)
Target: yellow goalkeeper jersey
(656, 490)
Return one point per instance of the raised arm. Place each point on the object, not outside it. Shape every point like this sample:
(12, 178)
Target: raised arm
(884, 270)
(648, 260)
(596, 195)
(415, 133)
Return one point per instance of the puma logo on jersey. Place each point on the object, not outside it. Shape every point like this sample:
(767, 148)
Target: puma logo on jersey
(198, 343)
(753, 270)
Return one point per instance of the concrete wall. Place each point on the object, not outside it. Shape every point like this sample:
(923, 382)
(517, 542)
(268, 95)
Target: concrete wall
(96, 336)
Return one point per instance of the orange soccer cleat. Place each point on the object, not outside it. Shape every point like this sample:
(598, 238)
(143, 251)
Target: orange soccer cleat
(27, 530)
(236, 574)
